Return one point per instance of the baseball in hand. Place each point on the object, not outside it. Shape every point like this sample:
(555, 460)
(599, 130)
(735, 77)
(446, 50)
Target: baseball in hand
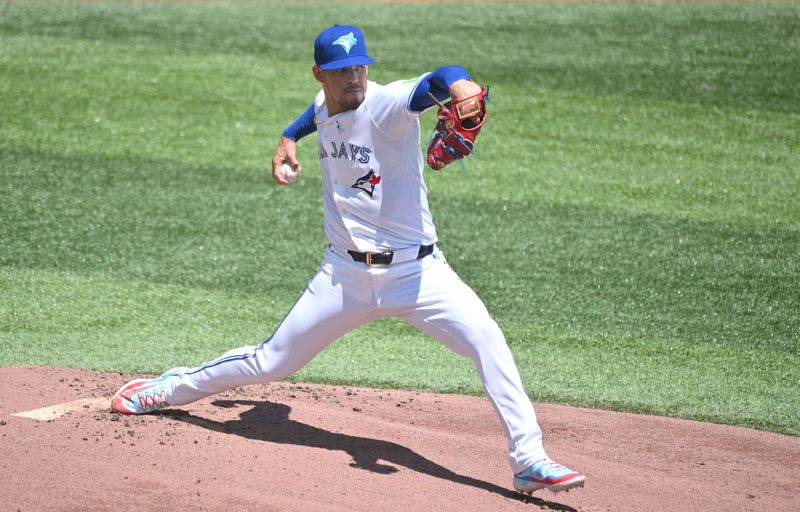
(288, 172)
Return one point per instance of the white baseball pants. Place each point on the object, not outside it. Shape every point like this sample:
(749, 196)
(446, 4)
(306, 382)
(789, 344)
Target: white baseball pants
(344, 294)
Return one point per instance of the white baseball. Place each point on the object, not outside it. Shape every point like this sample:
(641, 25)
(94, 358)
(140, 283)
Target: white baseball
(288, 172)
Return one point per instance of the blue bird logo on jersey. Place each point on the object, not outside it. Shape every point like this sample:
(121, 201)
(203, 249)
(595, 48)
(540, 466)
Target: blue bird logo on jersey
(367, 182)
(347, 41)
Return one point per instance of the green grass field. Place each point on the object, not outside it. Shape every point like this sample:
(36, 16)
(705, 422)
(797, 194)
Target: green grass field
(631, 219)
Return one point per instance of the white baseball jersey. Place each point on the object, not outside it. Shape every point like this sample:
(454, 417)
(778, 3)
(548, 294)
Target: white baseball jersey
(374, 195)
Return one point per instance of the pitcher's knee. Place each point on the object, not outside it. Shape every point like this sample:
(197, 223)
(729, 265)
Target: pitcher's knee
(491, 333)
(482, 337)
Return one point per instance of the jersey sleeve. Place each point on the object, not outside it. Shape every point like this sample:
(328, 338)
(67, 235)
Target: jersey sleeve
(306, 124)
(302, 126)
(437, 84)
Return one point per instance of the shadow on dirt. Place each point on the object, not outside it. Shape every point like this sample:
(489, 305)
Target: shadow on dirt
(270, 422)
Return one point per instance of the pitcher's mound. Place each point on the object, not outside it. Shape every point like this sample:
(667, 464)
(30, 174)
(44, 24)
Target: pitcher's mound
(297, 447)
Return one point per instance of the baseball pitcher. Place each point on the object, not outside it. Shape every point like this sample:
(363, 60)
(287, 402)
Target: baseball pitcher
(381, 259)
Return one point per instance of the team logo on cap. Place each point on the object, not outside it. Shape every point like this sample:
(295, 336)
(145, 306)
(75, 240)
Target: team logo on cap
(346, 42)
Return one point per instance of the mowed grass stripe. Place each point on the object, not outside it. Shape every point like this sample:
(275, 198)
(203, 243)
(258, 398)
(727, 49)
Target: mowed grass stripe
(630, 218)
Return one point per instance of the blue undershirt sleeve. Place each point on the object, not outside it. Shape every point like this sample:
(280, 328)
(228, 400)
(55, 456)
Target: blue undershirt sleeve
(437, 83)
(302, 126)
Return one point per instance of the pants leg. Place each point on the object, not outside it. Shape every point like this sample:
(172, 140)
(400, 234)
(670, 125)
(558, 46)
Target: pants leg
(322, 314)
(450, 311)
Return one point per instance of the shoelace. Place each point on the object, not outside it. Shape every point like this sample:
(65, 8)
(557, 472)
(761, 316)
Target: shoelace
(551, 465)
(151, 400)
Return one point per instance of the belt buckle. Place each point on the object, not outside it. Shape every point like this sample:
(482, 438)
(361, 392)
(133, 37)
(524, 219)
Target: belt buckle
(368, 259)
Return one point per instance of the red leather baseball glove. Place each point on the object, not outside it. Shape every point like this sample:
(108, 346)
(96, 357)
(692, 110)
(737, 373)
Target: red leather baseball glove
(458, 126)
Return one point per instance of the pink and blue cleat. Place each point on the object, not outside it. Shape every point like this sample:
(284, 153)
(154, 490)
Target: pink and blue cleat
(547, 474)
(141, 396)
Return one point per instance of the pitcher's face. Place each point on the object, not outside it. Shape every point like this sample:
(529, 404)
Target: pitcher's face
(344, 88)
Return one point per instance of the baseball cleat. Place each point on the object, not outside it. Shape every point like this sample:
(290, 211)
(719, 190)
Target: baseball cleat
(141, 396)
(547, 474)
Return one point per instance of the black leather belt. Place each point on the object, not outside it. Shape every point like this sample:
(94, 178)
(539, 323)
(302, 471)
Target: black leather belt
(376, 259)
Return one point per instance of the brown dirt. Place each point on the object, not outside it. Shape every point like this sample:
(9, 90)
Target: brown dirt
(297, 447)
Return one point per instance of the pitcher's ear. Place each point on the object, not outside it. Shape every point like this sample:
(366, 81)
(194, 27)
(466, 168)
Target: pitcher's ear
(317, 71)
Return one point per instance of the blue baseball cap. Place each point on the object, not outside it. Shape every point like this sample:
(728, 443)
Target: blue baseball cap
(341, 46)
